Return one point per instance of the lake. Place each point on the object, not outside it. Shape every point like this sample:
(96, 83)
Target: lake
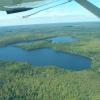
(62, 39)
(44, 57)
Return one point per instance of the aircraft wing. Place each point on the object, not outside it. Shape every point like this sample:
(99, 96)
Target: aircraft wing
(89, 6)
(14, 6)
(17, 5)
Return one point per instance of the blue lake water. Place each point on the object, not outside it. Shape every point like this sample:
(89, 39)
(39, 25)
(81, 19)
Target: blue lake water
(53, 40)
(45, 56)
(62, 39)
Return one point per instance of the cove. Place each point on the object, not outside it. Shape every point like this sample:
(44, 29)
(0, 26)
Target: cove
(44, 57)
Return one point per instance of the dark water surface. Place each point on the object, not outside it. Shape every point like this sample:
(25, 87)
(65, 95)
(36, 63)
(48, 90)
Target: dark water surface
(45, 56)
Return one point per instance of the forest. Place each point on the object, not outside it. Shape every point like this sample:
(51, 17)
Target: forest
(23, 81)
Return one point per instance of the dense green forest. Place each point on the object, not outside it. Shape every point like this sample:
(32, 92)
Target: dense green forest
(22, 81)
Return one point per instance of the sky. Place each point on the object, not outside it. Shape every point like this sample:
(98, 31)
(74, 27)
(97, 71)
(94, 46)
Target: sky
(71, 12)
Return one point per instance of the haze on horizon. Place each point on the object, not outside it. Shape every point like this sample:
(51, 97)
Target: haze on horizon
(71, 12)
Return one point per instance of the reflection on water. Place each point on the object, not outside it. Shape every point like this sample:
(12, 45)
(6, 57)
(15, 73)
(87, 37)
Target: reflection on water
(45, 56)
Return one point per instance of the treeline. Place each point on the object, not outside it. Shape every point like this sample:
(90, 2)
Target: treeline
(21, 81)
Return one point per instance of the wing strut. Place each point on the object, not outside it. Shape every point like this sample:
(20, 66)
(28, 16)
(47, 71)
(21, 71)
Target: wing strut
(47, 8)
(21, 7)
(92, 8)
